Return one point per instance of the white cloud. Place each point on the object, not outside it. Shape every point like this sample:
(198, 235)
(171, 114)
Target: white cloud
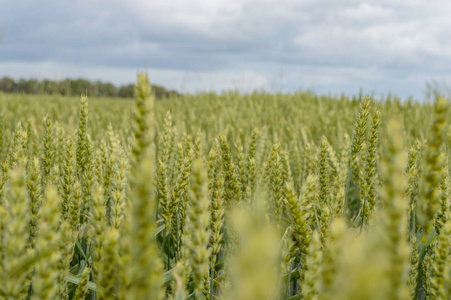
(368, 12)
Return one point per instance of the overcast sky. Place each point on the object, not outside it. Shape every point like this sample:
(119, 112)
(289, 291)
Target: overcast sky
(329, 46)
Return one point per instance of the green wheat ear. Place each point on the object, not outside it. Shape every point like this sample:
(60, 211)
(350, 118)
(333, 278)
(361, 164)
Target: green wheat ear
(108, 264)
(298, 217)
(332, 253)
(370, 192)
(66, 247)
(443, 213)
(358, 139)
(413, 267)
(198, 233)
(162, 171)
(143, 120)
(18, 148)
(35, 194)
(310, 289)
(88, 180)
(433, 165)
(118, 192)
(276, 182)
(145, 269)
(254, 267)
(48, 151)
(251, 157)
(324, 185)
(47, 259)
(440, 266)
(241, 171)
(15, 266)
(395, 210)
(216, 212)
(2, 137)
(97, 223)
(82, 288)
(413, 171)
(82, 137)
(426, 265)
(231, 185)
(67, 179)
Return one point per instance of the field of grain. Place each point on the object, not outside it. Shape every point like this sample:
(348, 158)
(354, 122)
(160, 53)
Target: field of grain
(224, 196)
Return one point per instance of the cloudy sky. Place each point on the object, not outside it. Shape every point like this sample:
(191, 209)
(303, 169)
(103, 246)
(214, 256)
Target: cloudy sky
(329, 46)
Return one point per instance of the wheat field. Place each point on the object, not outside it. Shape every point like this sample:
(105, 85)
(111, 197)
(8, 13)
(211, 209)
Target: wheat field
(224, 196)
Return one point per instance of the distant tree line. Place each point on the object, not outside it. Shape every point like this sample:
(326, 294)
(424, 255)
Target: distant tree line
(75, 87)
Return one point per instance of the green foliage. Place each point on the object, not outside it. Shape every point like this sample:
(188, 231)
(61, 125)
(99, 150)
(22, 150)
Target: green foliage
(75, 87)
